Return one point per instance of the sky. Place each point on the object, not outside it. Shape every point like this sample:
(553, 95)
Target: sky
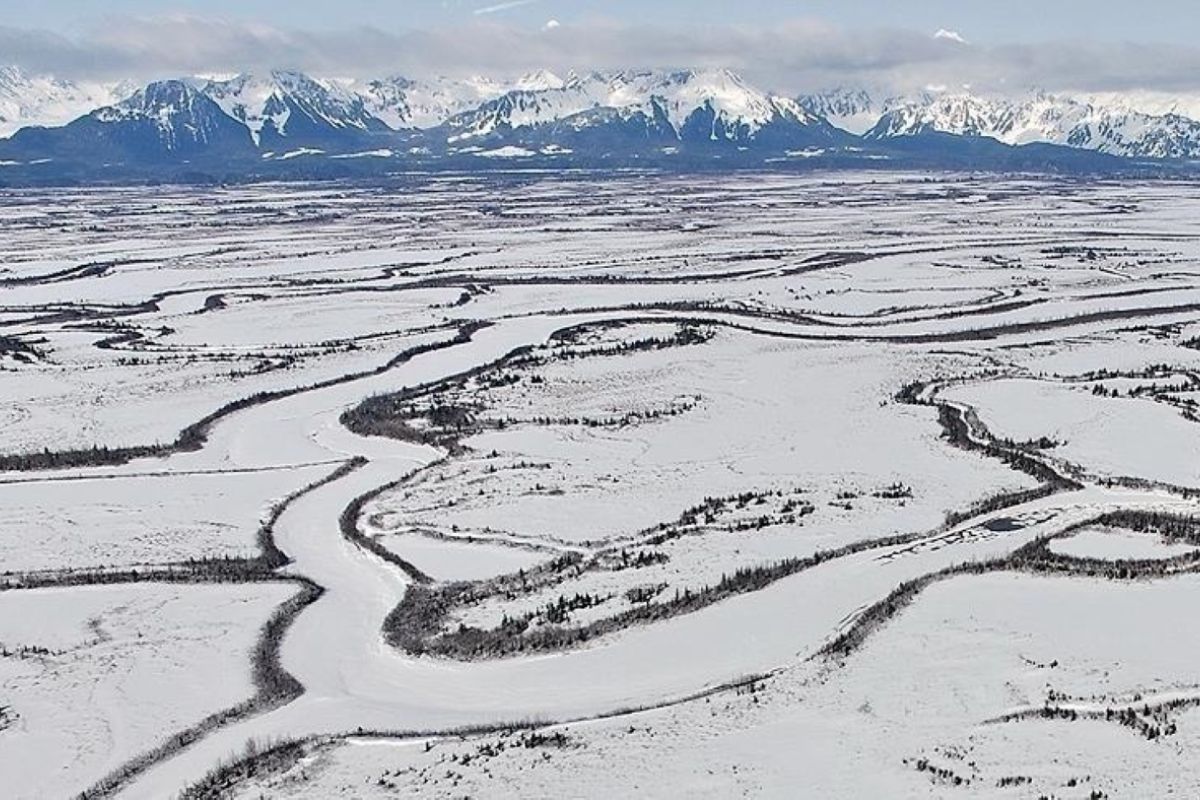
(786, 45)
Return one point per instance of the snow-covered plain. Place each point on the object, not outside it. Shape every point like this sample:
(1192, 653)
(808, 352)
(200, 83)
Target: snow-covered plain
(927, 691)
(705, 430)
(95, 676)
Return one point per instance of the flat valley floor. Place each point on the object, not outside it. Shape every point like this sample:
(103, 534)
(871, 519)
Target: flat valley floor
(861, 485)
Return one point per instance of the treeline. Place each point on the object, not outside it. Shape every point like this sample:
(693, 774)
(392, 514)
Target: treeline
(223, 779)
(21, 350)
(1018, 456)
(998, 502)
(269, 553)
(348, 523)
(447, 420)
(220, 569)
(686, 334)
(214, 569)
(1036, 558)
(1151, 721)
(388, 415)
(634, 417)
(194, 436)
(274, 687)
(957, 431)
(417, 624)
(1170, 526)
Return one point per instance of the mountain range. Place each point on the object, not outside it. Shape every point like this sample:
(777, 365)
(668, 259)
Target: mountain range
(1119, 125)
(285, 122)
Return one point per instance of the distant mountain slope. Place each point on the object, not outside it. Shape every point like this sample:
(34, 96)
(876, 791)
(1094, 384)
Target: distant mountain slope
(166, 121)
(285, 109)
(698, 107)
(1116, 129)
(282, 123)
(852, 110)
(44, 100)
(403, 103)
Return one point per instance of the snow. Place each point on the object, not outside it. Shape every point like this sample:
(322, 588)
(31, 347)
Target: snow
(299, 151)
(144, 519)
(1108, 123)
(406, 103)
(1132, 123)
(1112, 544)
(825, 296)
(677, 95)
(125, 667)
(1108, 436)
(43, 100)
(380, 153)
(508, 151)
(969, 650)
(254, 102)
(270, 99)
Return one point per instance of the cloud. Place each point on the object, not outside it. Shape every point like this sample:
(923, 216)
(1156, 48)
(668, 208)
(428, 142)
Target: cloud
(802, 55)
(949, 36)
(498, 7)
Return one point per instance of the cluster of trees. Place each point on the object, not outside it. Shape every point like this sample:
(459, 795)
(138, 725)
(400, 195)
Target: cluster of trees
(23, 652)
(418, 623)
(998, 501)
(686, 333)
(389, 415)
(633, 417)
(534, 739)
(941, 774)
(276, 685)
(1170, 526)
(622, 560)
(255, 760)
(557, 612)
(1149, 371)
(218, 569)
(1150, 722)
(644, 593)
(97, 456)
(712, 509)
(446, 418)
(12, 346)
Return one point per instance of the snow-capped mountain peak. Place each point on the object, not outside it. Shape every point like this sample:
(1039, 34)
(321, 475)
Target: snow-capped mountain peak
(403, 103)
(714, 104)
(539, 80)
(164, 118)
(1108, 127)
(27, 99)
(594, 115)
(285, 103)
